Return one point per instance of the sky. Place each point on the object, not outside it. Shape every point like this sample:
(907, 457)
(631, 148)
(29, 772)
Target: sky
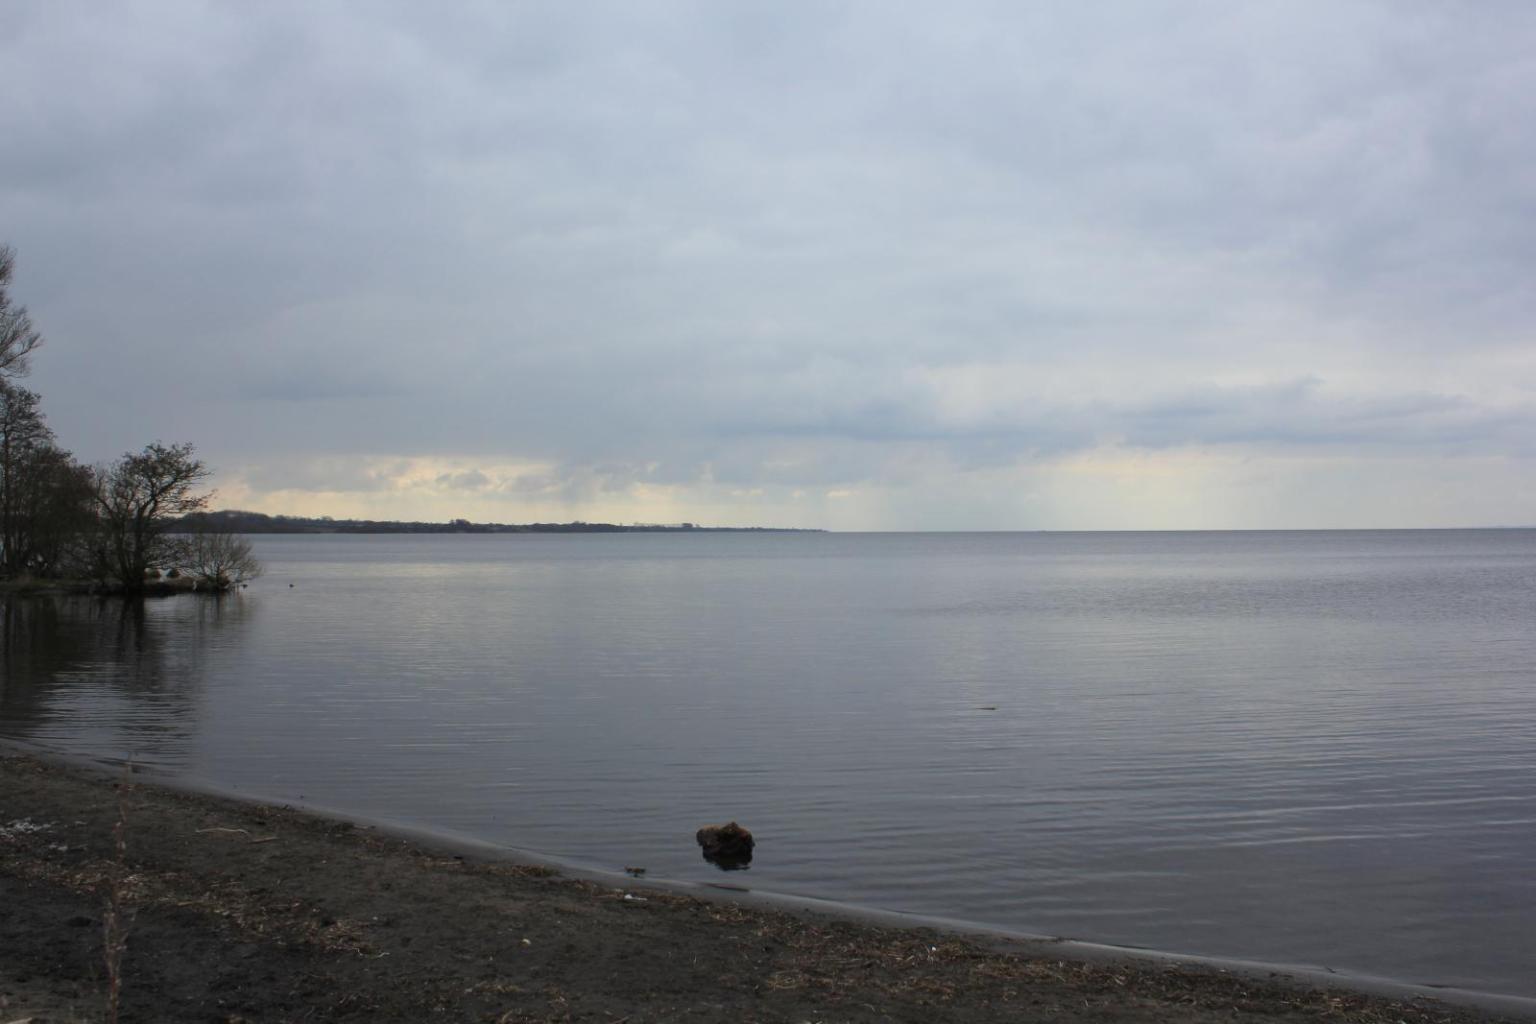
(851, 265)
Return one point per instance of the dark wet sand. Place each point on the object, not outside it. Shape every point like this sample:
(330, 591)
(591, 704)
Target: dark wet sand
(248, 912)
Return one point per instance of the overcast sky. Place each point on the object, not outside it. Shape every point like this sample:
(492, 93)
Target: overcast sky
(849, 265)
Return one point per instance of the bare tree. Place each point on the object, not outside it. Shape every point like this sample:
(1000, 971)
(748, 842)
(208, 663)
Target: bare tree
(135, 497)
(217, 559)
(44, 506)
(17, 335)
(22, 434)
(53, 507)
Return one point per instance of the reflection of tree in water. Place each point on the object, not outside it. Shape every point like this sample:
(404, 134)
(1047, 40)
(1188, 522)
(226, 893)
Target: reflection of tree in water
(111, 677)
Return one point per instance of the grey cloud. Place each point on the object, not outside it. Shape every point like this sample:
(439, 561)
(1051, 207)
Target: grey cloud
(292, 381)
(735, 241)
(320, 475)
(469, 480)
(1303, 413)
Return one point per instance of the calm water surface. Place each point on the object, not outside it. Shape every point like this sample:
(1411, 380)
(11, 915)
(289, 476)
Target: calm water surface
(1299, 747)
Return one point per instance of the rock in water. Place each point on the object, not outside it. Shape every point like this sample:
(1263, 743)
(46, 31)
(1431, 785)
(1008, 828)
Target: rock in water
(728, 847)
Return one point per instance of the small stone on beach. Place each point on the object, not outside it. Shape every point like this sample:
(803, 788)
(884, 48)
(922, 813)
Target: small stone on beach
(728, 847)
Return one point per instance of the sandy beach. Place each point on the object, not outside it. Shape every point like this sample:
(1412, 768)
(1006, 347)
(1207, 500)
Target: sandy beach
(232, 911)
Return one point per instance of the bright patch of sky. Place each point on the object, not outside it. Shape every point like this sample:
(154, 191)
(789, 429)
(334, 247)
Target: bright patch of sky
(855, 265)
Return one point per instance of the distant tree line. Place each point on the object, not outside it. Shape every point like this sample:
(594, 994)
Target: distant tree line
(114, 524)
(236, 521)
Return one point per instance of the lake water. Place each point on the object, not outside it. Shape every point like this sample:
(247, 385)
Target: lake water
(1296, 747)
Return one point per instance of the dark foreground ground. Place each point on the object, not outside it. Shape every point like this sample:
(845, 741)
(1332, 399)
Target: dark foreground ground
(240, 912)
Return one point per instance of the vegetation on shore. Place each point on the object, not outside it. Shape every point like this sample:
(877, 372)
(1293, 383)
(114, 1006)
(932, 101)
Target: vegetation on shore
(107, 527)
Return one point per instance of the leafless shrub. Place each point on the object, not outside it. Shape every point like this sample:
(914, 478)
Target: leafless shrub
(217, 560)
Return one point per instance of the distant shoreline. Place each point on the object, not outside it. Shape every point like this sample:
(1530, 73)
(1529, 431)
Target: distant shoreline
(233, 521)
(260, 522)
